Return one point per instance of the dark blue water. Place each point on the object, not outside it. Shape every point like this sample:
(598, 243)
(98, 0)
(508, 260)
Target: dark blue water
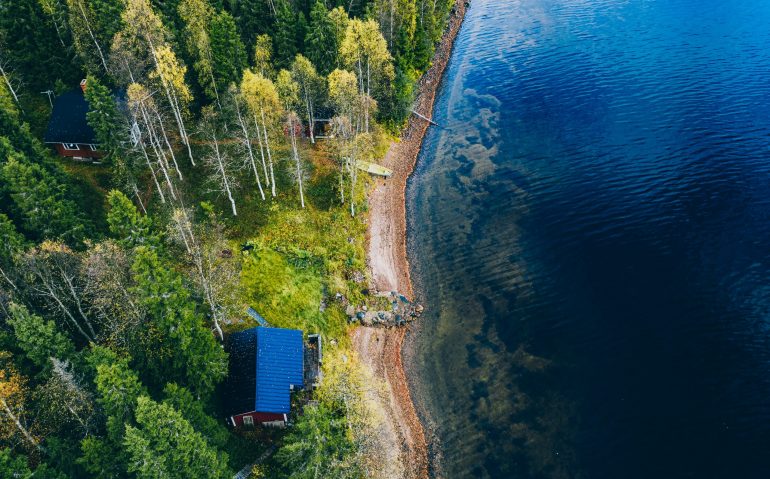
(590, 229)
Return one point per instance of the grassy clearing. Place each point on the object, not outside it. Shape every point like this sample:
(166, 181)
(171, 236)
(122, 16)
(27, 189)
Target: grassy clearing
(301, 258)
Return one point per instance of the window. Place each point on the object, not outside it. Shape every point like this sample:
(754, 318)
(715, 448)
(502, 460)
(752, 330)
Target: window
(93, 147)
(248, 421)
(71, 146)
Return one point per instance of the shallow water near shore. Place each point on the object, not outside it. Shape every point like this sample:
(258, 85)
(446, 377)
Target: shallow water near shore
(590, 232)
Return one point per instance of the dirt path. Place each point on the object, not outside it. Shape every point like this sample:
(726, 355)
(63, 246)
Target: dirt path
(379, 348)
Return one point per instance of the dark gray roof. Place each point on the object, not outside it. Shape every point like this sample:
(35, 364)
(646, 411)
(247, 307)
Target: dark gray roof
(68, 120)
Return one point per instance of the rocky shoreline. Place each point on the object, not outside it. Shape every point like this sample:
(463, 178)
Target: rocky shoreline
(379, 340)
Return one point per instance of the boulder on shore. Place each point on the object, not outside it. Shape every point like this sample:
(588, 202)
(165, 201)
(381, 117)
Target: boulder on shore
(401, 312)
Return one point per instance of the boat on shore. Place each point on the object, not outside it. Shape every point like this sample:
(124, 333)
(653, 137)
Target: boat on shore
(374, 169)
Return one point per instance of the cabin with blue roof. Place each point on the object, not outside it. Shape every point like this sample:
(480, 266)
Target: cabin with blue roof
(266, 365)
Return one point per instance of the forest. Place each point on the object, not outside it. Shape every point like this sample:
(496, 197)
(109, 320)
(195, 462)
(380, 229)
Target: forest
(231, 134)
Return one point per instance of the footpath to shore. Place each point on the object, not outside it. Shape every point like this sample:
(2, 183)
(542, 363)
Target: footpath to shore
(380, 348)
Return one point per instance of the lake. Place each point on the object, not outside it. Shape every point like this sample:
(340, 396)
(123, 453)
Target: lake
(590, 232)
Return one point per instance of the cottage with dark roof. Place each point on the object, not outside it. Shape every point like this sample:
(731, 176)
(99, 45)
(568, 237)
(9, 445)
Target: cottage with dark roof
(266, 365)
(68, 130)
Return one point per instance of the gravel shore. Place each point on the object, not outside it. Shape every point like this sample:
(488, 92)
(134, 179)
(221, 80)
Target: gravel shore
(380, 348)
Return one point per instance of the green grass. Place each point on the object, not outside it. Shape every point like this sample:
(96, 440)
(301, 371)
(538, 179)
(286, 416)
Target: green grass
(92, 183)
(302, 256)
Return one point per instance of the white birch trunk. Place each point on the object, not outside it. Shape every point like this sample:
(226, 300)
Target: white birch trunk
(9, 85)
(168, 145)
(139, 198)
(223, 172)
(91, 34)
(261, 149)
(20, 426)
(152, 170)
(269, 154)
(247, 142)
(293, 136)
(174, 103)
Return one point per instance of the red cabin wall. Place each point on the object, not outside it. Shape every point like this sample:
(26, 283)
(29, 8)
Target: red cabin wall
(259, 418)
(85, 151)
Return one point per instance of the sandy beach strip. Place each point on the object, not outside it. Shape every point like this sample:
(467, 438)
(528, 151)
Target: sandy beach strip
(380, 348)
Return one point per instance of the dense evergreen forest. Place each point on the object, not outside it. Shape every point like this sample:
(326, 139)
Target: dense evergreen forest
(120, 281)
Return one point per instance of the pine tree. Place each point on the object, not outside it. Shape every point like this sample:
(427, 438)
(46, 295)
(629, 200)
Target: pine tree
(127, 225)
(186, 349)
(39, 339)
(228, 53)
(17, 466)
(165, 446)
(196, 16)
(33, 46)
(181, 399)
(8, 99)
(107, 15)
(285, 33)
(40, 199)
(117, 385)
(12, 243)
(117, 388)
(324, 35)
(103, 117)
(254, 17)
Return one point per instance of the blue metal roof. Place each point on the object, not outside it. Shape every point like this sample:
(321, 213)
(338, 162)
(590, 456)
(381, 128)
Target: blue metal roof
(279, 366)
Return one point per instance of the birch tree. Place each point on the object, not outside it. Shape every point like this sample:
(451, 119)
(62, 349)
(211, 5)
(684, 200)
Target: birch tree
(148, 122)
(360, 148)
(310, 85)
(87, 37)
(170, 74)
(261, 97)
(263, 55)
(294, 129)
(214, 271)
(11, 85)
(245, 131)
(223, 177)
(365, 50)
(66, 406)
(344, 98)
(53, 273)
(289, 92)
(107, 285)
(14, 393)
(143, 32)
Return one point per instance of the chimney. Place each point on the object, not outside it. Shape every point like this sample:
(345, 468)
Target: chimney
(83, 85)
